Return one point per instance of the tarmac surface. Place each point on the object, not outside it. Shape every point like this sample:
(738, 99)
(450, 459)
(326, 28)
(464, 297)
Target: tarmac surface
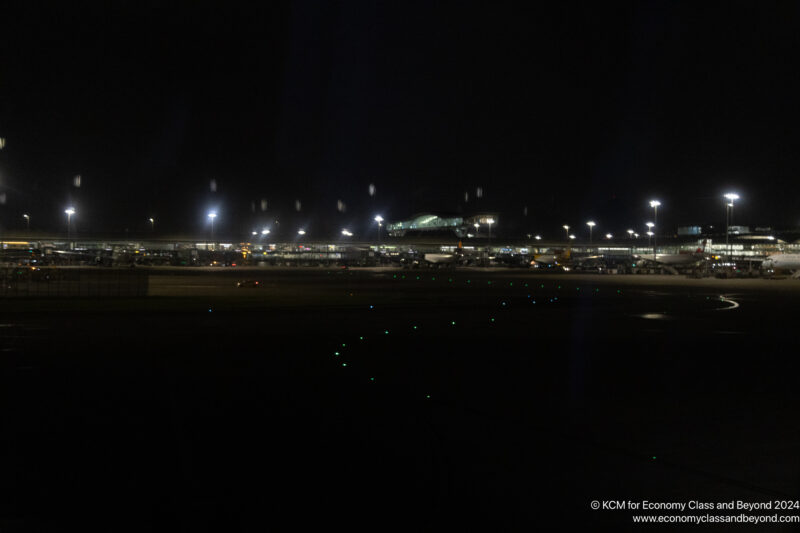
(182, 281)
(500, 400)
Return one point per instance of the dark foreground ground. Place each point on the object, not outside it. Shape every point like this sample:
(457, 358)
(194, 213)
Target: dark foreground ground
(373, 400)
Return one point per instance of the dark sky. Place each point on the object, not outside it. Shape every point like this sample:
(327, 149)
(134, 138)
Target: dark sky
(576, 110)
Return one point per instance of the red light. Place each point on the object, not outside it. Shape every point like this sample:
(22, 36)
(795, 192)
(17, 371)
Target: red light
(233, 264)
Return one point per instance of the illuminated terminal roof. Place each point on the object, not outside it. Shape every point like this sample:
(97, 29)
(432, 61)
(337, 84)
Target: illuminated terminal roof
(428, 222)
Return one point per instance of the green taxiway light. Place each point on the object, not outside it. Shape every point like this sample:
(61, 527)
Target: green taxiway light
(344, 364)
(453, 323)
(335, 353)
(386, 332)
(372, 379)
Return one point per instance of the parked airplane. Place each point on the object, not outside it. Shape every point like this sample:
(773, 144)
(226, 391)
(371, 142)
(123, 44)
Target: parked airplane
(441, 259)
(555, 258)
(453, 258)
(782, 262)
(686, 258)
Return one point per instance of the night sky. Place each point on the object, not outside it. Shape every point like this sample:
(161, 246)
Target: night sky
(576, 110)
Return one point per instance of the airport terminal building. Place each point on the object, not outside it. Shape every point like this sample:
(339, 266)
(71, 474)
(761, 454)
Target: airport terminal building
(459, 225)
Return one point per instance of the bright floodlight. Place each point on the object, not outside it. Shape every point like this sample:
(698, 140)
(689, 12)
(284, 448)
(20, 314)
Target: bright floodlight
(477, 225)
(538, 237)
(608, 235)
(565, 227)
(650, 233)
(591, 224)
(654, 203)
(212, 216)
(630, 232)
(264, 232)
(255, 233)
(301, 232)
(346, 233)
(378, 219)
(490, 221)
(70, 211)
(26, 216)
(649, 224)
(732, 196)
(636, 235)
(572, 236)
